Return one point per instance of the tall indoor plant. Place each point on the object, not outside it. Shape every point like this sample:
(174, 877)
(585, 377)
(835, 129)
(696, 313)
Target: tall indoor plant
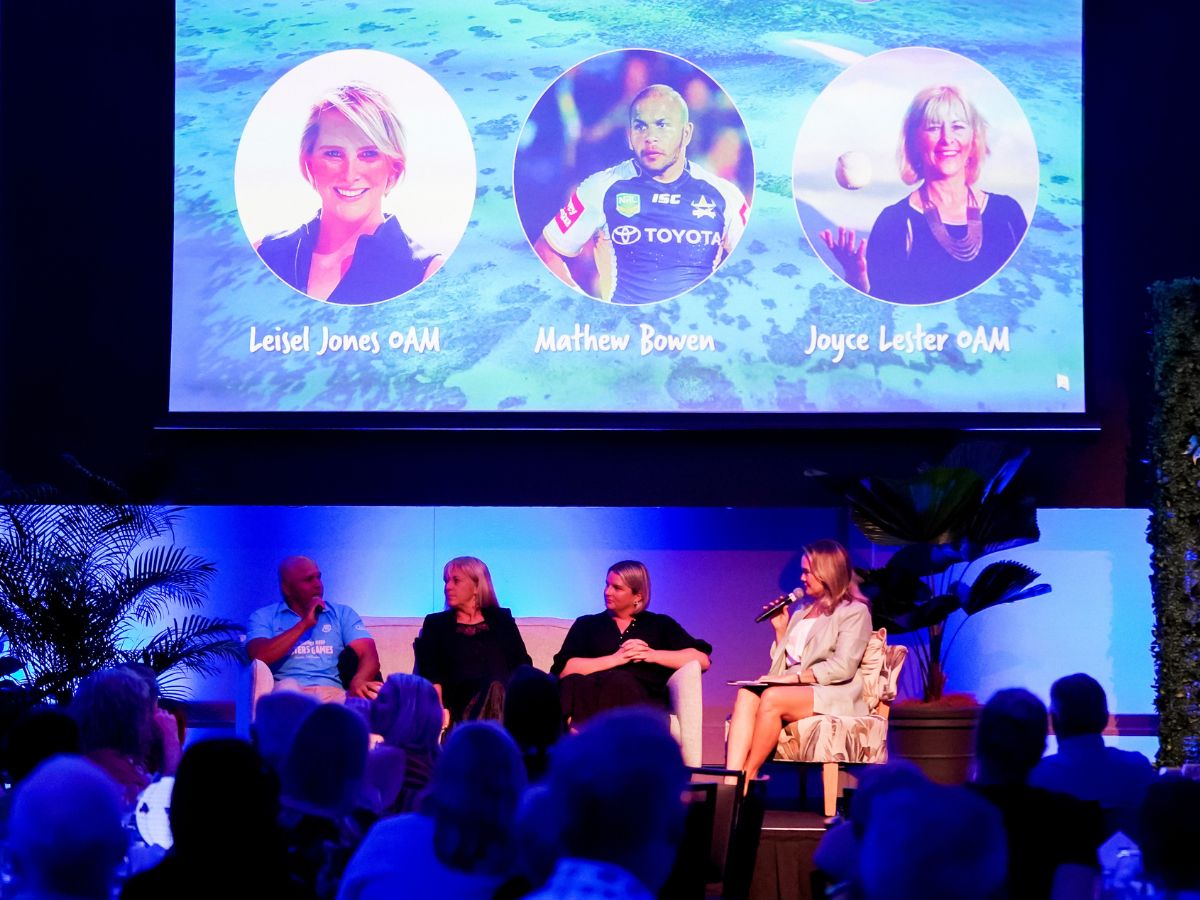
(1174, 531)
(944, 519)
(87, 586)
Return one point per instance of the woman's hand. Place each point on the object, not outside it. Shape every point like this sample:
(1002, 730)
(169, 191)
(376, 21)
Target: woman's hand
(637, 650)
(852, 259)
(779, 622)
(167, 728)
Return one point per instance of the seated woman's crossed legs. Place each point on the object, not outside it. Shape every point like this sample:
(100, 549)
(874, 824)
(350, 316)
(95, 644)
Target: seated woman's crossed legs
(757, 720)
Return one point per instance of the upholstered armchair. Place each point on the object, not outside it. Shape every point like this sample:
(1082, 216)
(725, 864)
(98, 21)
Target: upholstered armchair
(837, 741)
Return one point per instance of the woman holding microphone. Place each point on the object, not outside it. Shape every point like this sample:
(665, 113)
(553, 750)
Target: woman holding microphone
(814, 660)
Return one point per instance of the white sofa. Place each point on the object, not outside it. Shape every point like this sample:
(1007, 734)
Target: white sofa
(394, 636)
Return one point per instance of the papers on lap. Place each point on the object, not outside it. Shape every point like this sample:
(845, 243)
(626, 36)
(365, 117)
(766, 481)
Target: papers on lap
(768, 680)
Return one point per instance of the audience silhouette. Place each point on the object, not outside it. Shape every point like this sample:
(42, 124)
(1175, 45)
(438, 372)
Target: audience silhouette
(460, 843)
(65, 834)
(1083, 766)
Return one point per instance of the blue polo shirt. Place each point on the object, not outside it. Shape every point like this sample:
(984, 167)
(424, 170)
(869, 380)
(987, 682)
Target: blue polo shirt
(313, 660)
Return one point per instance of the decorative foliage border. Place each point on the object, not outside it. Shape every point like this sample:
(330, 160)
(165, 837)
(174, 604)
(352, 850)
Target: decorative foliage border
(1174, 530)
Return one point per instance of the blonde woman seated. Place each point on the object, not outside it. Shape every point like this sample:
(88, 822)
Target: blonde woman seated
(816, 656)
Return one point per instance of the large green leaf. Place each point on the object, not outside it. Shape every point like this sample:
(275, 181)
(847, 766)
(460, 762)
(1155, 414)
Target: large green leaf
(932, 506)
(929, 559)
(1003, 582)
(932, 612)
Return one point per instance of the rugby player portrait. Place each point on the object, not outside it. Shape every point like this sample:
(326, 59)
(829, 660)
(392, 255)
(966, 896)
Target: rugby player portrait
(656, 224)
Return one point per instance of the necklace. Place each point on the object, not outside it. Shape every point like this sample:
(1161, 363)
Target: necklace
(967, 248)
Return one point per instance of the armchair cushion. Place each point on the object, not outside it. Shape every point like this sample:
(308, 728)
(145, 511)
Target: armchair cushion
(851, 739)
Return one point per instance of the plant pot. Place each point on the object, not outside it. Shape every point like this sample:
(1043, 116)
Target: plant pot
(939, 740)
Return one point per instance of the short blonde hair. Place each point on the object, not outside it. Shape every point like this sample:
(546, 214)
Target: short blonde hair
(477, 571)
(368, 110)
(636, 576)
(940, 104)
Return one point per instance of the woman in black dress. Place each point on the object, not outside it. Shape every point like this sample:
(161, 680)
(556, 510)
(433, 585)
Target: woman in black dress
(624, 655)
(470, 650)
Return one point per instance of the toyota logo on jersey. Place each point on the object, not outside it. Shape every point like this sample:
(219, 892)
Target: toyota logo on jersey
(626, 234)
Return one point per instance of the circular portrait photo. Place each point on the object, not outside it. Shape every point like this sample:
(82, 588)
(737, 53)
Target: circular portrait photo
(633, 177)
(915, 175)
(355, 177)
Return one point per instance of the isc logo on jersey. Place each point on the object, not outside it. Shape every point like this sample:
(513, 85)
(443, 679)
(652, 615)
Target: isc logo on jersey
(631, 234)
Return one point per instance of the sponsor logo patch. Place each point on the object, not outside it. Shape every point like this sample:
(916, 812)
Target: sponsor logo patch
(629, 204)
(569, 214)
(626, 234)
(704, 208)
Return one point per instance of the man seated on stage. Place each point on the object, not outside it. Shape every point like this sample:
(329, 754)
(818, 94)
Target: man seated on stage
(301, 637)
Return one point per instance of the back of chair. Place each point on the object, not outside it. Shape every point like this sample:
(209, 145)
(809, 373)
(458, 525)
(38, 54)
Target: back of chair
(880, 670)
(889, 680)
(394, 636)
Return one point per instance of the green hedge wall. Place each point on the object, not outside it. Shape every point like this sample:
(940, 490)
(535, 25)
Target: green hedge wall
(1174, 531)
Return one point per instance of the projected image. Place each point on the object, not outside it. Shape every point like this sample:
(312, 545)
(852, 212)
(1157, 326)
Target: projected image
(355, 177)
(616, 227)
(915, 176)
(633, 177)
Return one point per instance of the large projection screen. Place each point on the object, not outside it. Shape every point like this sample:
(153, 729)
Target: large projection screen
(571, 207)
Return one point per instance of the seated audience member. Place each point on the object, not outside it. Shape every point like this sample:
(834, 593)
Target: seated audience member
(277, 718)
(302, 636)
(223, 814)
(162, 706)
(625, 655)
(533, 716)
(460, 844)
(1052, 838)
(408, 716)
(471, 648)
(1169, 825)
(1083, 766)
(931, 842)
(614, 800)
(323, 796)
(66, 838)
(536, 845)
(120, 729)
(37, 734)
(837, 855)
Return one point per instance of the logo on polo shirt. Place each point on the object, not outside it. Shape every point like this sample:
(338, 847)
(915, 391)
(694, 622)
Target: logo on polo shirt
(313, 648)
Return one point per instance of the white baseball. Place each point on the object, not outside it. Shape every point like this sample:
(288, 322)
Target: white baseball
(853, 170)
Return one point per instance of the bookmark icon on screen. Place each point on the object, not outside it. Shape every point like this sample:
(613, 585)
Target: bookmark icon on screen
(1062, 381)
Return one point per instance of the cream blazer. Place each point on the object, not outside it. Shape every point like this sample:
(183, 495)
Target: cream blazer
(834, 650)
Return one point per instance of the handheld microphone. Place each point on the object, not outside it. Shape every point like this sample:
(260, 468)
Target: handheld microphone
(779, 603)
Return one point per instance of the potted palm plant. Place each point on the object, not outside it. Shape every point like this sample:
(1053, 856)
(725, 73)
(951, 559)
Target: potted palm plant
(87, 586)
(946, 522)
